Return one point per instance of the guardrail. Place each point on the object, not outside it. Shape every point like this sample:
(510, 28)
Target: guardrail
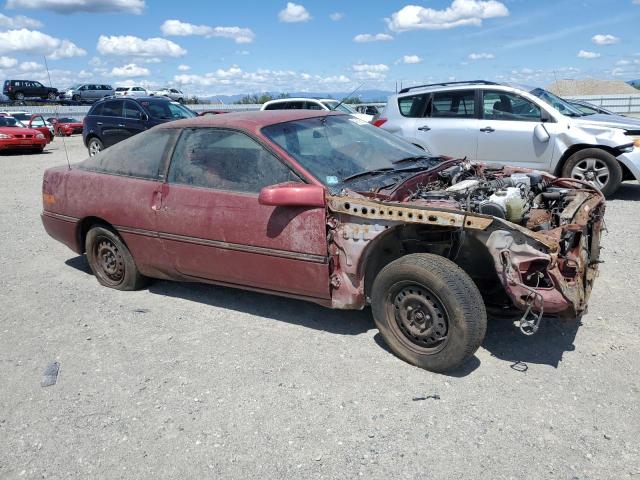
(622, 104)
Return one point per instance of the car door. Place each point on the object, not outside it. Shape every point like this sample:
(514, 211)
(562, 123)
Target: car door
(450, 125)
(37, 122)
(133, 118)
(506, 133)
(111, 122)
(214, 228)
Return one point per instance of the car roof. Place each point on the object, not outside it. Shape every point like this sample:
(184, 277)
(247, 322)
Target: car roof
(301, 99)
(252, 120)
(449, 86)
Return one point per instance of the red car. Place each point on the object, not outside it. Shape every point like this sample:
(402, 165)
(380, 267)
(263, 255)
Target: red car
(324, 207)
(15, 136)
(65, 126)
(37, 122)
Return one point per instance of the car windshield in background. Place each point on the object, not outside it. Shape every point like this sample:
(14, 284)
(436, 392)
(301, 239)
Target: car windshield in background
(168, 110)
(67, 120)
(336, 148)
(122, 89)
(556, 102)
(339, 107)
(22, 116)
(10, 122)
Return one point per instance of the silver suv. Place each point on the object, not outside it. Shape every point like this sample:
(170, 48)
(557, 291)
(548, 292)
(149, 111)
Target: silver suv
(516, 125)
(88, 92)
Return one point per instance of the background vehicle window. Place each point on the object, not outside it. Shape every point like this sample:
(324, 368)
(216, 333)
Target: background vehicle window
(225, 160)
(312, 106)
(112, 109)
(458, 104)
(274, 106)
(97, 110)
(131, 110)
(167, 110)
(508, 106)
(413, 105)
(138, 156)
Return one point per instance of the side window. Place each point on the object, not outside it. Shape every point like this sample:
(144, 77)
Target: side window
(37, 85)
(131, 110)
(456, 104)
(112, 109)
(508, 106)
(295, 105)
(312, 106)
(97, 110)
(225, 160)
(274, 106)
(138, 156)
(413, 105)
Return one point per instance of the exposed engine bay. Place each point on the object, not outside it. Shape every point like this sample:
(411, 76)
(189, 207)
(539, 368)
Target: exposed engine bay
(521, 232)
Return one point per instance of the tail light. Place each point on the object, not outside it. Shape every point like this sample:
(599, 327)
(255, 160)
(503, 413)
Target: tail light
(378, 122)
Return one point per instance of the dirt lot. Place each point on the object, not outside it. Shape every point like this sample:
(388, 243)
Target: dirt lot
(194, 381)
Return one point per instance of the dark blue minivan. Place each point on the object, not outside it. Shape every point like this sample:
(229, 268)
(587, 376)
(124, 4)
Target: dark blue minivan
(112, 119)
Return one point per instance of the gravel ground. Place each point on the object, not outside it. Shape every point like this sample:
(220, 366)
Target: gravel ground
(197, 381)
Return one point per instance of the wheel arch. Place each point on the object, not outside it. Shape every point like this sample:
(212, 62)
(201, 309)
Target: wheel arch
(583, 146)
(87, 224)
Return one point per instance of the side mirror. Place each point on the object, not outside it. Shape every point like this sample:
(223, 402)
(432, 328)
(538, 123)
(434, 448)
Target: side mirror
(541, 133)
(292, 195)
(144, 117)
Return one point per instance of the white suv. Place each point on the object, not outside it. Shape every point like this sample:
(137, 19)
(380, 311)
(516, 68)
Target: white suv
(313, 104)
(131, 92)
(516, 125)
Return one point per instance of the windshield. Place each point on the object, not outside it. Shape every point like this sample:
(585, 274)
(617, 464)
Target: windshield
(168, 110)
(74, 87)
(556, 102)
(22, 116)
(10, 122)
(341, 107)
(334, 148)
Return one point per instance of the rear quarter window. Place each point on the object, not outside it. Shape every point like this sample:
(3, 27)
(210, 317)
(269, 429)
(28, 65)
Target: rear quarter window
(413, 106)
(140, 156)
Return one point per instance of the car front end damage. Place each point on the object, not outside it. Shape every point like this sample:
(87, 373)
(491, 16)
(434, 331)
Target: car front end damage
(530, 241)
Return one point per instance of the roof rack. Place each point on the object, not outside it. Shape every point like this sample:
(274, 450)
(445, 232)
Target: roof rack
(444, 84)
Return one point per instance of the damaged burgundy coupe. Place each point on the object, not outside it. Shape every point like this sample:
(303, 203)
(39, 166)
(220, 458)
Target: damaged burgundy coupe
(322, 207)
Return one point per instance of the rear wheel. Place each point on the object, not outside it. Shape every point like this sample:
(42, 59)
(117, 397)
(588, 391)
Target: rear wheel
(95, 146)
(51, 96)
(595, 166)
(111, 262)
(19, 96)
(76, 98)
(429, 311)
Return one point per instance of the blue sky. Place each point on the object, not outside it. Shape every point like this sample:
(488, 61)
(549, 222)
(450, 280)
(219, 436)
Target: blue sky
(220, 47)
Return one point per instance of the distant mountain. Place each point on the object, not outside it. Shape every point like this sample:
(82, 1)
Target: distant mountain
(364, 95)
(634, 83)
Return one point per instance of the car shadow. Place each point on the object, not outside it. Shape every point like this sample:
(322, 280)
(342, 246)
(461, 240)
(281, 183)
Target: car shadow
(20, 153)
(627, 191)
(503, 340)
(547, 347)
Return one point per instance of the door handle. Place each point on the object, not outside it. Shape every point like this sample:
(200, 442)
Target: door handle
(121, 124)
(99, 123)
(424, 128)
(157, 201)
(487, 130)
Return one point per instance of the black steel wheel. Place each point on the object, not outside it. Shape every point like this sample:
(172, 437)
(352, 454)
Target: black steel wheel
(428, 311)
(111, 261)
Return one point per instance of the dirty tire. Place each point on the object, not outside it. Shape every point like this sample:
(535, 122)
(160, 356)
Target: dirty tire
(601, 157)
(95, 146)
(442, 291)
(111, 262)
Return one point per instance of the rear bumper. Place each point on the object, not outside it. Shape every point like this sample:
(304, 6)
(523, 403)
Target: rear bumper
(62, 228)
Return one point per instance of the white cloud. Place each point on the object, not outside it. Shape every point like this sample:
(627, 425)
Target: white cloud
(410, 59)
(7, 62)
(130, 70)
(459, 13)
(367, 37)
(481, 56)
(178, 28)
(623, 62)
(18, 22)
(336, 16)
(365, 71)
(73, 6)
(586, 54)
(184, 68)
(135, 46)
(37, 43)
(30, 67)
(293, 13)
(604, 39)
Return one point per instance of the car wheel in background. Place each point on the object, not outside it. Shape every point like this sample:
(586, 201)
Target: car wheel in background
(95, 146)
(111, 262)
(52, 96)
(429, 311)
(595, 166)
(19, 96)
(76, 98)
(181, 101)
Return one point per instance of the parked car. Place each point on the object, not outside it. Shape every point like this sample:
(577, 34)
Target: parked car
(65, 125)
(21, 89)
(328, 104)
(323, 207)
(506, 123)
(172, 93)
(31, 120)
(111, 120)
(15, 136)
(88, 92)
(212, 112)
(589, 108)
(368, 109)
(131, 92)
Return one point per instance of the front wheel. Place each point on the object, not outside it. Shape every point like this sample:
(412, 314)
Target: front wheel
(95, 146)
(51, 96)
(111, 261)
(19, 96)
(429, 311)
(595, 166)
